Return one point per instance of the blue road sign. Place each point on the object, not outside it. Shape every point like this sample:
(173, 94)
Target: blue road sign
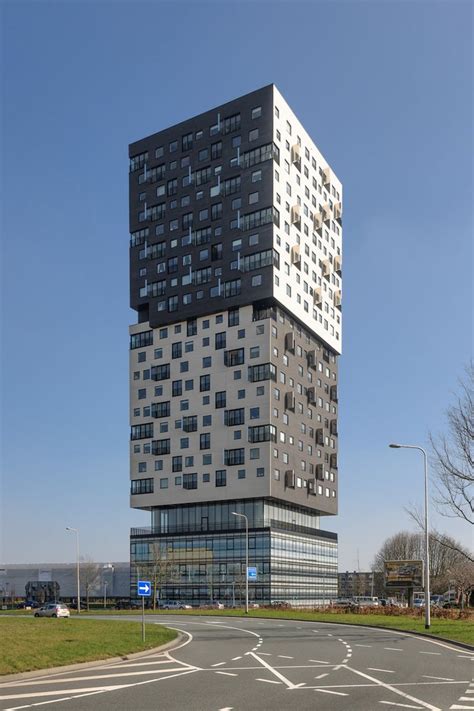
(251, 574)
(144, 588)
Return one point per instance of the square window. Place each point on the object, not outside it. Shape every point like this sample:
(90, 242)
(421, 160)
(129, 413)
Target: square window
(241, 473)
(255, 453)
(253, 134)
(241, 394)
(253, 198)
(256, 112)
(260, 471)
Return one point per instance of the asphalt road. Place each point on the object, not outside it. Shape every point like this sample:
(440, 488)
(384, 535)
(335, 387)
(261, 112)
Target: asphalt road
(235, 664)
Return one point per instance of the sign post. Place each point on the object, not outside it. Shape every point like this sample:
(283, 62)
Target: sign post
(144, 590)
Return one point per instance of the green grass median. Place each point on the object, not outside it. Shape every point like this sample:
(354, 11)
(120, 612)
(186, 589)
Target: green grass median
(29, 643)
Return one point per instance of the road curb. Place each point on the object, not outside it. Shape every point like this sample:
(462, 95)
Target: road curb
(6, 678)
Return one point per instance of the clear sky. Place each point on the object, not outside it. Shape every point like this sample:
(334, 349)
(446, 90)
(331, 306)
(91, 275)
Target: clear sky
(385, 90)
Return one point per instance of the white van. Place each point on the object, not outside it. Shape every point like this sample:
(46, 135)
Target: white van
(366, 601)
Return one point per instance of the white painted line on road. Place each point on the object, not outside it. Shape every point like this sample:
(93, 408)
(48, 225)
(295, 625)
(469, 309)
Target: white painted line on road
(364, 645)
(438, 654)
(405, 706)
(395, 691)
(466, 698)
(286, 681)
(337, 693)
(463, 656)
(34, 682)
(457, 706)
(284, 656)
(394, 649)
(269, 681)
(61, 691)
(321, 676)
(234, 659)
(441, 678)
(389, 671)
(122, 665)
(219, 664)
(226, 673)
(265, 654)
(227, 708)
(318, 661)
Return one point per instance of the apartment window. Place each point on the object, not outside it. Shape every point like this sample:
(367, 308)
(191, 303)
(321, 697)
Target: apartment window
(216, 150)
(205, 441)
(253, 134)
(160, 372)
(191, 327)
(141, 431)
(256, 112)
(187, 142)
(221, 477)
(207, 362)
(254, 413)
(142, 486)
(260, 471)
(177, 464)
(190, 481)
(234, 456)
(220, 340)
(234, 357)
(164, 483)
(221, 399)
(262, 433)
(190, 423)
(234, 417)
(233, 317)
(253, 198)
(176, 388)
(216, 211)
(204, 383)
(160, 447)
(160, 409)
(265, 371)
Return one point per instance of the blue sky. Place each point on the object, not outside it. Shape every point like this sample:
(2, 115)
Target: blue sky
(385, 90)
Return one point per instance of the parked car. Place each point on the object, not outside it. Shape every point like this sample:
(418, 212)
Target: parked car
(53, 609)
(175, 605)
(216, 605)
(28, 605)
(366, 601)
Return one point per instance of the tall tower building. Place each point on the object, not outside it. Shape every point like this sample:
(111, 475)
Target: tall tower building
(235, 275)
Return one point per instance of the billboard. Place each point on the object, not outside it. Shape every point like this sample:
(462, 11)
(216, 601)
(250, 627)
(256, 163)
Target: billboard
(403, 573)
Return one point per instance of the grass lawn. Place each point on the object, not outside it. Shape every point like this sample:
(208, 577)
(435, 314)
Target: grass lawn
(29, 643)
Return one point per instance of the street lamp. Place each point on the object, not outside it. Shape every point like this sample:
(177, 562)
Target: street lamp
(107, 566)
(78, 578)
(234, 513)
(427, 549)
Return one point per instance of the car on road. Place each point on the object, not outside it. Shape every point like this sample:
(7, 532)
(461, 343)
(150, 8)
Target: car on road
(175, 605)
(53, 609)
(28, 605)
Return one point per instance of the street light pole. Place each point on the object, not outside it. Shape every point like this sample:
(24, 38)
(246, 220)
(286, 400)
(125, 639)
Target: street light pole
(234, 513)
(78, 573)
(427, 547)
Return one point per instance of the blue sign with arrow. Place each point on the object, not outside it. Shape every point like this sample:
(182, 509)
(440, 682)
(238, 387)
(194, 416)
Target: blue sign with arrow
(144, 588)
(251, 574)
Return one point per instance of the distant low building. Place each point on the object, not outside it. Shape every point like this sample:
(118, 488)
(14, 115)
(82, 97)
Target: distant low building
(360, 583)
(18, 580)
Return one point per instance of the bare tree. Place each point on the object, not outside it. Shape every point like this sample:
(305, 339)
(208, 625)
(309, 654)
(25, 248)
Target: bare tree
(401, 546)
(89, 576)
(441, 538)
(161, 567)
(453, 456)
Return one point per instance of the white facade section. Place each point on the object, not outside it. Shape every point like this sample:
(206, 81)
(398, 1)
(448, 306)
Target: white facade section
(308, 196)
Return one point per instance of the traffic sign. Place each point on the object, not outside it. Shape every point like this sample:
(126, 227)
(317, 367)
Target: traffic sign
(251, 574)
(144, 588)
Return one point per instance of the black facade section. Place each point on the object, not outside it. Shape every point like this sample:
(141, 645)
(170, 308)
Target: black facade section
(193, 196)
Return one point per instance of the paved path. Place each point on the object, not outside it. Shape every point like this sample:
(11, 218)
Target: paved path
(235, 664)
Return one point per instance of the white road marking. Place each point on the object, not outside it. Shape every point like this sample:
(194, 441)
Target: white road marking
(394, 649)
(121, 665)
(61, 691)
(269, 681)
(466, 698)
(226, 673)
(234, 659)
(227, 708)
(318, 661)
(389, 671)
(434, 653)
(219, 664)
(457, 706)
(285, 656)
(321, 676)
(33, 682)
(337, 693)
(405, 706)
(266, 654)
(441, 678)
(286, 681)
(395, 691)
(364, 645)
(463, 656)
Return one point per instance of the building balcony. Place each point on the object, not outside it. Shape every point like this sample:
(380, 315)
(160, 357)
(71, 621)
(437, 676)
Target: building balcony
(296, 214)
(296, 255)
(327, 177)
(317, 221)
(317, 296)
(338, 264)
(337, 298)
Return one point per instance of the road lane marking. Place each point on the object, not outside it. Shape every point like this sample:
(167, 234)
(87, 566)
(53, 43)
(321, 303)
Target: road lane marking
(284, 656)
(369, 646)
(395, 691)
(405, 706)
(286, 681)
(458, 706)
(321, 676)
(318, 661)
(61, 691)
(269, 681)
(226, 673)
(441, 678)
(227, 708)
(219, 664)
(234, 659)
(327, 691)
(434, 653)
(34, 682)
(396, 649)
(389, 671)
